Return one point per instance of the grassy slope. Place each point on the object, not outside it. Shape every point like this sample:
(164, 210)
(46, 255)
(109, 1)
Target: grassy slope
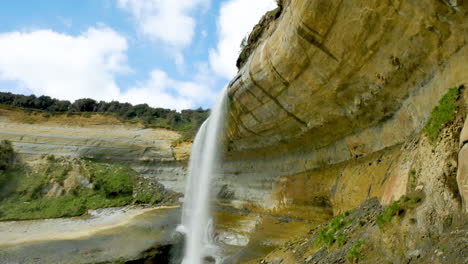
(24, 194)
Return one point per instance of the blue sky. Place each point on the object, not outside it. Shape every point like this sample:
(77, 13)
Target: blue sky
(168, 53)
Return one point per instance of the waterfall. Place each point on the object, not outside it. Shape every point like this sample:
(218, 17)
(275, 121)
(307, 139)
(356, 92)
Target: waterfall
(204, 162)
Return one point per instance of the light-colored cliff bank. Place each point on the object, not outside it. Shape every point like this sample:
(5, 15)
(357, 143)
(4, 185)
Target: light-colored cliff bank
(149, 151)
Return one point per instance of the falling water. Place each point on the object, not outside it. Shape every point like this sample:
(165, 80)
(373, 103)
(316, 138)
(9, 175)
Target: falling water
(204, 162)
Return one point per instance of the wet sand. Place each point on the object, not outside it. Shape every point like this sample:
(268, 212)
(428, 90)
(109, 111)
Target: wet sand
(107, 235)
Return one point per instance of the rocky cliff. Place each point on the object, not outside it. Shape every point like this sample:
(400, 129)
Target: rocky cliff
(340, 83)
(104, 138)
(328, 111)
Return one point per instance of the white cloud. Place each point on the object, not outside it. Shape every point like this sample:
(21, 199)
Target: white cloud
(64, 66)
(236, 20)
(68, 67)
(162, 91)
(170, 21)
(86, 65)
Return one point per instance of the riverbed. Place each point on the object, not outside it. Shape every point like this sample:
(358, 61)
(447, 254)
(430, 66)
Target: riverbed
(105, 235)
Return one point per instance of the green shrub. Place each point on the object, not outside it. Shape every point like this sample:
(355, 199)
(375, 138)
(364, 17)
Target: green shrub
(96, 200)
(397, 208)
(387, 215)
(148, 197)
(341, 239)
(249, 44)
(442, 114)
(112, 179)
(7, 156)
(355, 253)
(329, 235)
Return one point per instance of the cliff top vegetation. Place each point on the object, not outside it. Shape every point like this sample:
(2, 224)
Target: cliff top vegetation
(186, 122)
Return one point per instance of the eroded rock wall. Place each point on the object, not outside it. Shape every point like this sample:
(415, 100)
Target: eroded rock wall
(328, 112)
(333, 91)
(424, 226)
(148, 151)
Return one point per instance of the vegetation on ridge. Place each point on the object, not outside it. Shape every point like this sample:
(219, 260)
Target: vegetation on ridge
(250, 43)
(186, 122)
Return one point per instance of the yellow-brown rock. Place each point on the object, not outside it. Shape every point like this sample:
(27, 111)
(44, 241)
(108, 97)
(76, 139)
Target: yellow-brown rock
(359, 75)
(182, 151)
(333, 81)
(328, 110)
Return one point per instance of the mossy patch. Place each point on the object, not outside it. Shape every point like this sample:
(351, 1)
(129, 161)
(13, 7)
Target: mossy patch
(397, 209)
(145, 193)
(355, 253)
(112, 180)
(331, 234)
(442, 114)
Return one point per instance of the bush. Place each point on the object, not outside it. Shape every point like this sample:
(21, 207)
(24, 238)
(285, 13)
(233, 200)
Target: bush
(387, 215)
(113, 179)
(397, 208)
(329, 235)
(148, 197)
(355, 253)
(442, 114)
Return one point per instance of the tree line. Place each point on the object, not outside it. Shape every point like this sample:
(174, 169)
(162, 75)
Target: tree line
(186, 121)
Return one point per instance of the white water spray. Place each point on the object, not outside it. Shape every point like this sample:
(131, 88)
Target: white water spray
(204, 162)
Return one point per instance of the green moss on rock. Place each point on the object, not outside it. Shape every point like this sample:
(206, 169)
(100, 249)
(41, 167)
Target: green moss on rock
(396, 209)
(442, 114)
(330, 234)
(355, 253)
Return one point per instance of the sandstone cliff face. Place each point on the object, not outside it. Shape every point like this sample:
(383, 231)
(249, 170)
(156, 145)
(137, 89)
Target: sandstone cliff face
(103, 138)
(328, 110)
(427, 226)
(335, 81)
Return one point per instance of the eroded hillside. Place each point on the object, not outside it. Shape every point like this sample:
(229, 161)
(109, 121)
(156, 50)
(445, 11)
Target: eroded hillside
(150, 151)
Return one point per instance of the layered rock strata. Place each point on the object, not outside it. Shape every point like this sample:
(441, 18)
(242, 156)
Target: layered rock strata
(327, 112)
(333, 89)
(148, 151)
